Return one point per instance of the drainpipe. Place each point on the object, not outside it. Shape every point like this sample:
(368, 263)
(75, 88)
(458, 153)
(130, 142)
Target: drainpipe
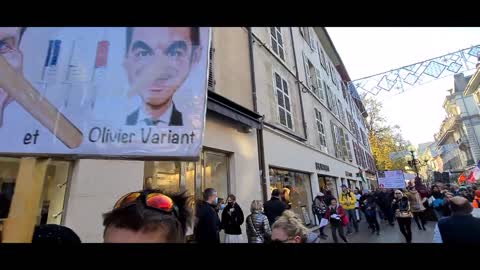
(260, 146)
(299, 86)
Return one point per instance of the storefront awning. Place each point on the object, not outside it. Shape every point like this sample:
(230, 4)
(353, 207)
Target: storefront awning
(233, 111)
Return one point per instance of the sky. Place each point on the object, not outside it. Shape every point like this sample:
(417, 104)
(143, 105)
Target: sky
(368, 51)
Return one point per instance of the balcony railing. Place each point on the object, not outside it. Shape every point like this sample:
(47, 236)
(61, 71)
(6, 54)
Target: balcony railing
(447, 125)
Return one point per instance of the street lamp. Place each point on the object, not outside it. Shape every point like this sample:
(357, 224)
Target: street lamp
(415, 163)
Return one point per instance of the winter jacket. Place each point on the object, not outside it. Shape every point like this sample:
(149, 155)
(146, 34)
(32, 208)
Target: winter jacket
(328, 199)
(207, 229)
(401, 206)
(339, 211)
(460, 229)
(232, 218)
(258, 228)
(370, 207)
(319, 207)
(347, 201)
(416, 204)
(273, 209)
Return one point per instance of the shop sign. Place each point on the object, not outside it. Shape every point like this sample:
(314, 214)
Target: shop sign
(103, 91)
(322, 167)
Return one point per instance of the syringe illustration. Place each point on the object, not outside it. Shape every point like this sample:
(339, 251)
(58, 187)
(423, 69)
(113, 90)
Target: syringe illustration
(99, 68)
(49, 72)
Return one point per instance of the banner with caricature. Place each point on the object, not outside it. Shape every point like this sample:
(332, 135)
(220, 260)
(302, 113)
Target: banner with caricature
(103, 91)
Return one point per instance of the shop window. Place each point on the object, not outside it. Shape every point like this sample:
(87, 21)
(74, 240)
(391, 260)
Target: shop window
(163, 175)
(300, 191)
(211, 171)
(326, 182)
(53, 194)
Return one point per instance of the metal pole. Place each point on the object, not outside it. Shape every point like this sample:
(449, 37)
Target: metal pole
(414, 161)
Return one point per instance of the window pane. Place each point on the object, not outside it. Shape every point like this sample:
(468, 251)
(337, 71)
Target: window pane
(287, 103)
(289, 120)
(281, 53)
(280, 100)
(216, 173)
(281, 113)
(190, 177)
(272, 32)
(279, 39)
(164, 175)
(285, 87)
(278, 81)
(274, 46)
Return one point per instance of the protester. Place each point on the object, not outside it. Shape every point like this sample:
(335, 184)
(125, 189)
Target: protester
(417, 208)
(454, 189)
(389, 211)
(328, 196)
(274, 207)
(371, 214)
(461, 227)
(338, 220)
(436, 201)
(476, 200)
(347, 201)
(207, 228)
(232, 219)
(470, 193)
(401, 206)
(258, 228)
(319, 208)
(148, 216)
(220, 206)
(289, 229)
(358, 195)
(54, 234)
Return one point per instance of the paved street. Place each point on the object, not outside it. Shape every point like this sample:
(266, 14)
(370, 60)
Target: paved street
(388, 234)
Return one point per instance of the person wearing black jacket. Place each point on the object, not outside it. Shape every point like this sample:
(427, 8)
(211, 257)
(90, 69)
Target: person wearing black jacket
(319, 208)
(207, 228)
(232, 219)
(328, 197)
(274, 207)
(461, 227)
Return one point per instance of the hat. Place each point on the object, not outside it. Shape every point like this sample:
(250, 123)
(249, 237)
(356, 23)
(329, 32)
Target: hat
(344, 186)
(320, 194)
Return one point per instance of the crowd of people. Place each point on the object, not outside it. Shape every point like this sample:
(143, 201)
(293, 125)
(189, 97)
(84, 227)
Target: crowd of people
(152, 216)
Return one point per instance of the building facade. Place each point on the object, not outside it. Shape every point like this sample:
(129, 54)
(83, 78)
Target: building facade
(458, 141)
(314, 131)
(279, 115)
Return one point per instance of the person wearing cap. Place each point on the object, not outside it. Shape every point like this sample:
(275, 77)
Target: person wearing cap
(148, 216)
(459, 228)
(347, 200)
(319, 208)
